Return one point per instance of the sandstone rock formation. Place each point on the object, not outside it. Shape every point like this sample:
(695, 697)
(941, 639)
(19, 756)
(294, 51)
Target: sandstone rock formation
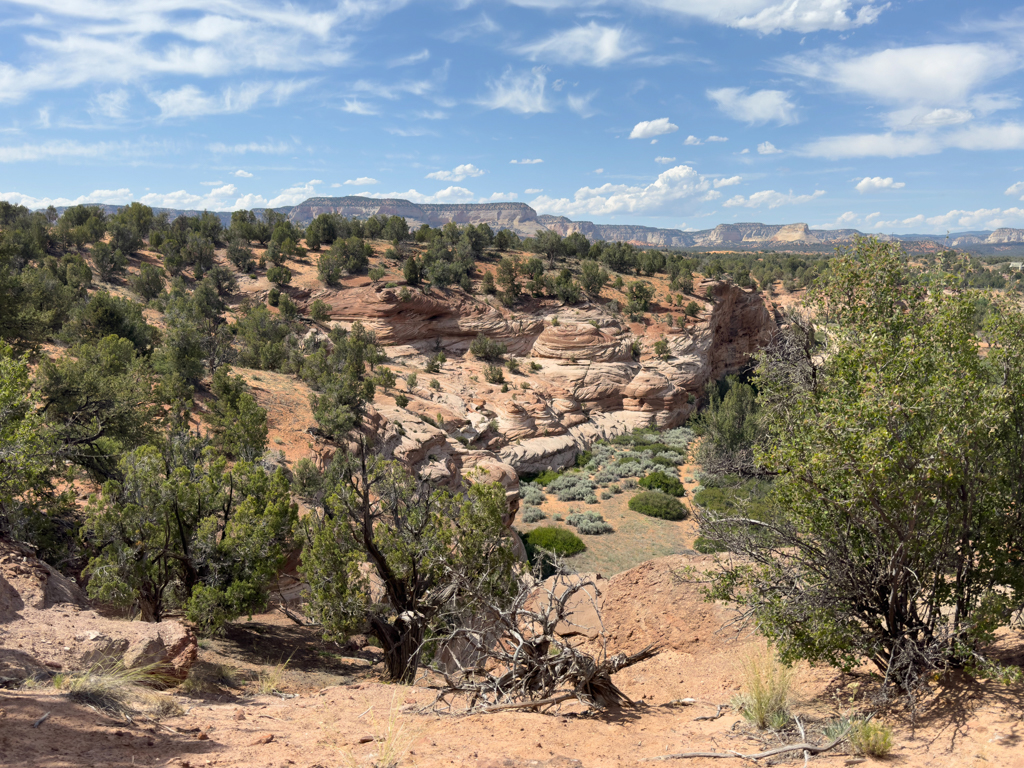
(46, 625)
(578, 380)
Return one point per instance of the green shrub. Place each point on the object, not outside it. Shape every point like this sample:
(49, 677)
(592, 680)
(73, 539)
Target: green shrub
(872, 739)
(487, 349)
(541, 478)
(434, 384)
(707, 546)
(535, 366)
(659, 481)
(494, 375)
(658, 504)
(512, 364)
(583, 458)
(557, 540)
(279, 275)
(273, 297)
(319, 311)
(589, 523)
(533, 514)
(401, 400)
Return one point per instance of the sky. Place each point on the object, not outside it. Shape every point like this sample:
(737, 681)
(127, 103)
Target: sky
(895, 117)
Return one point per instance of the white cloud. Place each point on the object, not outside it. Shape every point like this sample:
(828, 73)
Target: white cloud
(665, 160)
(498, 197)
(648, 129)
(717, 138)
(412, 58)
(729, 182)
(767, 148)
(112, 104)
(447, 195)
(877, 183)
(433, 114)
(745, 152)
(581, 104)
(771, 199)
(357, 107)
(975, 137)
(593, 45)
(210, 183)
(215, 199)
(394, 90)
(755, 108)
(291, 196)
(1015, 189)
(243, 174)
(681, 183)
(410, 132)
(534, 191)
(79, 42)
(362, 181)
(66, 148)
(107, 196)
(526, 162)
(599, 170)
(189, 101)
(253, 146)
(763, 16)
(460, 172)
(938, 75)
(692, 141)
(520, 92)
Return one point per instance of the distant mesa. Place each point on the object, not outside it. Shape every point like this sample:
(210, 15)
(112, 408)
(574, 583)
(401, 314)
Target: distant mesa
(526, 222)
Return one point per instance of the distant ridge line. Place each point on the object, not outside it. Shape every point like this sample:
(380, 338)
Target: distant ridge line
(526, 222)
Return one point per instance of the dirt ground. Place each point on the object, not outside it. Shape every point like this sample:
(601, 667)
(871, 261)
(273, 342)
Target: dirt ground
(270, 693)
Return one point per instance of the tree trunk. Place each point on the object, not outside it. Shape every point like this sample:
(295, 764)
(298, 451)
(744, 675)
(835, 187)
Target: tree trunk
(402, 643)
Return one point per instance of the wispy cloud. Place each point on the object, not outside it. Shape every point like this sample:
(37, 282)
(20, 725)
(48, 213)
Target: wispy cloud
(767, 148)
(412, 58)
(519, 92)
(357, 107)
(104, 196)
(592, 45)
(581, 104)
(362, 181)
(189, 101)
(266, 148)
(665, 160)
(534, 161)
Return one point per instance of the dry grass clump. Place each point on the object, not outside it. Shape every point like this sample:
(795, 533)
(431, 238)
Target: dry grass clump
(392, 738)
(869, 738)
(209, 678)
(114, 689)
(767, 690)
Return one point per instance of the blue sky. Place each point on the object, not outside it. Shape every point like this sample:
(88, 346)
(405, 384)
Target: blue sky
(899, 117)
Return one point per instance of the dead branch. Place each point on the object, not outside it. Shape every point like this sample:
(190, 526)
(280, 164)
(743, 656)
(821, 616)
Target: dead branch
(718, 714)
(516, 656)
(808, 748)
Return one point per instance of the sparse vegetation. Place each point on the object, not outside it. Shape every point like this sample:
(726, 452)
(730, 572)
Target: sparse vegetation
(767, 688)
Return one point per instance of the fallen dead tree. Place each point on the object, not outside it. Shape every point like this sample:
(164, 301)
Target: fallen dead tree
(812, 749)
(519, 656)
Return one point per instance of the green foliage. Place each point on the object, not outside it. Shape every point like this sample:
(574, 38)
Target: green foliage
(411, 271)
(512, 364)
(487, 284)
(659, 481)
(105, 314)
(661, 348)
(488, 349)
(32, 509)
(238, 424)
(401, 400)
(182, 531)
(494, 375)
(767, 689)
(692, 309)
(149, 283)
(583, 458)
(99, 401)
(377, 273)
(731, 429)
(108, 262)
(532, 515)
(638, 298)
(264, 339)
(319, 311)
(898, 502)
(593, 277)
(658, 504)
(559, 541)
(341, 379)
(279, 275)
(240, 254)
(435, 362)
(415, 540)
(870, 738)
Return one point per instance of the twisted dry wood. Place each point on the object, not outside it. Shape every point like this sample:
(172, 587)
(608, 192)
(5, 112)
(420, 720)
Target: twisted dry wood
(811, 748)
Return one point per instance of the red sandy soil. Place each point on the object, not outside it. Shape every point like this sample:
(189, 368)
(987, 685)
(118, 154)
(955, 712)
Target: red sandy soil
(341, 713)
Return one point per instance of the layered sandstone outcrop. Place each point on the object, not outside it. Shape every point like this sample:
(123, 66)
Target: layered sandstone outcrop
(578, 377)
